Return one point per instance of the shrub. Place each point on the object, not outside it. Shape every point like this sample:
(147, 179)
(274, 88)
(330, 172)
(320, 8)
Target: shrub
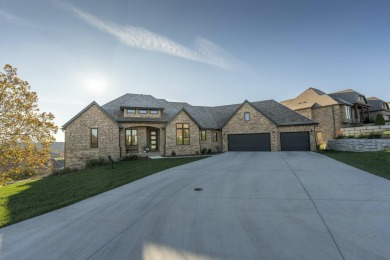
(131, 158)
(217, 150)
(66, 170)
(351, 136)
(203, 151)
(366, 120)
(209, 151)
(340, 136)
(95, 163)
(379, 120)
(173, 153)
(374, 136)
(362, 136)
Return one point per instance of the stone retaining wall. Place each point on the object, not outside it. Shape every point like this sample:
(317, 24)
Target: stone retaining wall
(356, 131)
(358, 145)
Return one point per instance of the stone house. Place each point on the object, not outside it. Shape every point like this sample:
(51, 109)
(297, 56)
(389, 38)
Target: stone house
(136, 123)
(332, 111)
(378, 106)
(360, 107)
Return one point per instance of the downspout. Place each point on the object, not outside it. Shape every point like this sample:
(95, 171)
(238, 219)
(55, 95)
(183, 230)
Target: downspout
(120, 148)
(334, 123)
(165, 140)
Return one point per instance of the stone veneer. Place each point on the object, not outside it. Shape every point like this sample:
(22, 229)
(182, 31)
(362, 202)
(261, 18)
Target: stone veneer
(257, 124)
(356, 131)
(193, 147)
(209, 142)
(78, 133)
(358, 145)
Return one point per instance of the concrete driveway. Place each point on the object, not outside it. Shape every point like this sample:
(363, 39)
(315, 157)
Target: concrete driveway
(254, 205)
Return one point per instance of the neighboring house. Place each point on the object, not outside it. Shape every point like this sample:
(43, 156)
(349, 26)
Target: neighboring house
(331, 112)
(378, 106)
(360, 107)
(133, 124)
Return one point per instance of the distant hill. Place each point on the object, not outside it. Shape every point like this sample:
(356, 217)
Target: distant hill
(57, 147)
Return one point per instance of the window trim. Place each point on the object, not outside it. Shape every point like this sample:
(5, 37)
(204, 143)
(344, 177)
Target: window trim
(139, 111)
(215, 136)
(348, 114)
(249, 116)
(182, 128)
(154, 111)
(131, 134)
(135, 111)
(201, 135)
(97, 137)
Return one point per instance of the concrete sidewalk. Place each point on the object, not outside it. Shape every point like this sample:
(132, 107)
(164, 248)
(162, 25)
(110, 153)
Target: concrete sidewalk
(254, 205)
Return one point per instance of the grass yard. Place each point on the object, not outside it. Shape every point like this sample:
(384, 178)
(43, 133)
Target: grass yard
(28, 199)
(377, 163)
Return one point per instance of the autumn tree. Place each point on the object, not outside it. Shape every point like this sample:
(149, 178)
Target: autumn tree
(25, 133)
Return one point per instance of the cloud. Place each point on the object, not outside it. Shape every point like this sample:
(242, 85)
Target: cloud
(15, 19)
(205, 51)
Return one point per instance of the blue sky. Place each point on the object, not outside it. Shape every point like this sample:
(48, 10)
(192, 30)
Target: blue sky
(202, 52)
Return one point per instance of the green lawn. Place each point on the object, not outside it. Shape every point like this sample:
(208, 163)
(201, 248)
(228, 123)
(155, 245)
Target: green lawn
(27, 199)
(377, 163)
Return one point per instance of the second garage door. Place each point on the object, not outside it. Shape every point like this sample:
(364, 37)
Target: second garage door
(295, 141)
(249, 142)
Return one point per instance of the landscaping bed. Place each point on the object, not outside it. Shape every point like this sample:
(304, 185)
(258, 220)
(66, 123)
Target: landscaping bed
(23, 200)
(377, 163)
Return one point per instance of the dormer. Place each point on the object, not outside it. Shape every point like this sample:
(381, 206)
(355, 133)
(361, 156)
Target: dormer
(142, 106)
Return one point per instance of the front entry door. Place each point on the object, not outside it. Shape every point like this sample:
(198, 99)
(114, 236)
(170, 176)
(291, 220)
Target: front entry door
(153, 140)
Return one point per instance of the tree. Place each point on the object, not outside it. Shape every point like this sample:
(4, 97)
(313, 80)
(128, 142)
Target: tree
(25, 133)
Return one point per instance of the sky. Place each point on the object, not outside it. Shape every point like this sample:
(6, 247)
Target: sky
(202, 52)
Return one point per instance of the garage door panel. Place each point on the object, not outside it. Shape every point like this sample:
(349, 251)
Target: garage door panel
(295, 141)
(249, 142)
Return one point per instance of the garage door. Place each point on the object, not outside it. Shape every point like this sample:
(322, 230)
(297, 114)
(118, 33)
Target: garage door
(249, 142)
(295, 141)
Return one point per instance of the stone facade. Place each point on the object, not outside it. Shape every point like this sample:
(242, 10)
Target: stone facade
(358, 145)
(257, 124)
(78, 138)
(302, 128)
(209, 142)
(307, 112)
(193, 147)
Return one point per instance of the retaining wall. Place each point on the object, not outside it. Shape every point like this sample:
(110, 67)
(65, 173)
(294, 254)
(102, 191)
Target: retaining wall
(358, 145)
(356, 131)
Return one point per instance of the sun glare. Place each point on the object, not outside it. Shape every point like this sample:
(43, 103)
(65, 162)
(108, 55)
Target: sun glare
(96, 84)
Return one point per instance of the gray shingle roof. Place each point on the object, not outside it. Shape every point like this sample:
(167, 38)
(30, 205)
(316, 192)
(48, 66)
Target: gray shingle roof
(206, 117)
(348, 95)
(377, 104)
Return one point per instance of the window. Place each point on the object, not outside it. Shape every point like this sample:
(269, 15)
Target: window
(131, 137)
(215, 137)
(182, 134)
(154, 112)
(247, 116)
(203, 135)
(94, 138)
(348, 112)
(143, 111)
(130, 111)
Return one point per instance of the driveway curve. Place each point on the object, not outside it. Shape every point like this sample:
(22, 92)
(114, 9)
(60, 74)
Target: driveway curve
(253, 205)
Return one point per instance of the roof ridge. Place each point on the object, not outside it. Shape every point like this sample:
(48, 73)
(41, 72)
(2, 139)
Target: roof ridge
(137, 95)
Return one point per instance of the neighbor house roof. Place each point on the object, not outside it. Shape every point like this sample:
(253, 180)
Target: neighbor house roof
(377, 104)
(349, 95)
(311, 98)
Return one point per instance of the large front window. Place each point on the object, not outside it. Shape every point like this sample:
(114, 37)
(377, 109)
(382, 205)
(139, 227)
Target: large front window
(131, 137)
(203, 135)
(182, 134)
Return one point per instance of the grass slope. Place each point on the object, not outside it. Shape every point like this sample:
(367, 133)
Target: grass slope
(377, 163)
(28, 199)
